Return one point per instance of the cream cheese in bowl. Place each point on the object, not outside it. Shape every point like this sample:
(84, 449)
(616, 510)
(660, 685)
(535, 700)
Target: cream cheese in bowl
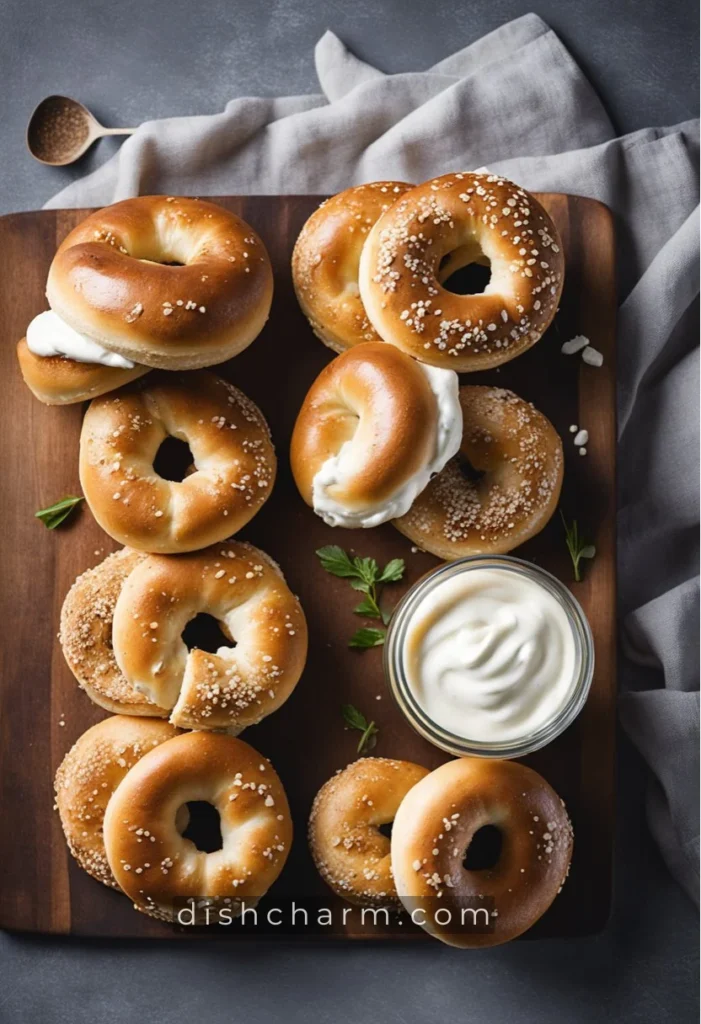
(490, 656)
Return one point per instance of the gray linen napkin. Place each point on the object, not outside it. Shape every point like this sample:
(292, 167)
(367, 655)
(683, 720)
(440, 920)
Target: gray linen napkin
(516, 102)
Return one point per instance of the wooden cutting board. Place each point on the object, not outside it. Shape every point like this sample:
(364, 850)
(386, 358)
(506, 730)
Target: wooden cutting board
(43, 711)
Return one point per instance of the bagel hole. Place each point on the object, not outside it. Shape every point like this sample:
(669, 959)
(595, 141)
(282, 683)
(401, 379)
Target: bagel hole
(470, 472)
(484, 850)
(205, 633)
(386, 829)
(204, 826)
(471, 279)
(173, 459)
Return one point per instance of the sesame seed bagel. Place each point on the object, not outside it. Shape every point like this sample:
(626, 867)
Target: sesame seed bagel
(434, 827)
(245, 591)
(372, 429)
(88, 776)
(326, 259)
(350, 852)
(233, 456)
(440, 226)
(169, 872)
(166, 282)
(56, 380)
(502, 487)
(85, 636)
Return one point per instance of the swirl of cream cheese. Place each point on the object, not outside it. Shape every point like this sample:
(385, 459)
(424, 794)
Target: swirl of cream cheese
(490, 655)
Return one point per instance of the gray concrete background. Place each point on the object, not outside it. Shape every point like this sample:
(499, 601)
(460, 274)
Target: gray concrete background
(140, 59)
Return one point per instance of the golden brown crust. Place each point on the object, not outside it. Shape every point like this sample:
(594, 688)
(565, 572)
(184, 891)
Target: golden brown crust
(85, 636)
(242, 588)
(464, 217)
(326, 258)
(55, 380)
(166, 872)
(380, 398)
(350, 852)
(435, 825)
(88, 776)
(110, 280)
(519, 454)
(232, 449)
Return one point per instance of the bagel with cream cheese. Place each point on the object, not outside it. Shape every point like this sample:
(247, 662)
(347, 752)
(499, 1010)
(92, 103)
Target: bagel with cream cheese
(373, 428)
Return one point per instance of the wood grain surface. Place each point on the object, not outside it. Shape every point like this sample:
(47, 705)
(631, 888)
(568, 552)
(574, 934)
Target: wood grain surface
(42, 710)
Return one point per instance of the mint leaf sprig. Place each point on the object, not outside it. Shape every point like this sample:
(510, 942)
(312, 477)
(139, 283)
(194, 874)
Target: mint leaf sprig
(365, 576)
(55, 514)
(577, 548)
(355, 719)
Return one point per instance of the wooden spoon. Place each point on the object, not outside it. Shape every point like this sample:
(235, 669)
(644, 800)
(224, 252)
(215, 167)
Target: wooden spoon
(60, 130)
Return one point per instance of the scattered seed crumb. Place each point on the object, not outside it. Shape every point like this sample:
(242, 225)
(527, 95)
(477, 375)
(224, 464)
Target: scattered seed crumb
(592, 356)
(575, 344)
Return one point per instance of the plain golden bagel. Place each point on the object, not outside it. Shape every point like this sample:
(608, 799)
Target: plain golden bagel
(501, 488)
(88, 776)
(168, 872)
(55, 380)
(373, 428)
(243, 589)
(350, 852)
(233, 455)
(326, 259)
(164, 281)
(85, 636)
(440, 226)
(434, 827)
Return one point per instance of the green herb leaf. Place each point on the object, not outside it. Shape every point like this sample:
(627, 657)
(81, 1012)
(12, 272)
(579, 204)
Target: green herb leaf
(368, 569)
(356, 720)
(334, 560)
(368, 607)
(55, 514)
(367, 637)
(369, 738)
(364, 575)
(576, 547)
(360, 585)
(393, 571)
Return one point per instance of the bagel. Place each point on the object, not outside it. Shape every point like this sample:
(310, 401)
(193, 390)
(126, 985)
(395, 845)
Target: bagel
(169, 873)
(440, 226)
(500, 490)
(88, 776)
(434, 827)
(56, 380)
(326, 258)
(373, 428)
(245, 591)
(231, 447)
(349, 851)
(113, 280)
(85, 636)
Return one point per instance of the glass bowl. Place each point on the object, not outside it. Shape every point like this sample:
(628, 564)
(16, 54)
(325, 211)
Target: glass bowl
(462, 746)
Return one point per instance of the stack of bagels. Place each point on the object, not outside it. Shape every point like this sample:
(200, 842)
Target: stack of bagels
(144, 296)
(387, 432)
